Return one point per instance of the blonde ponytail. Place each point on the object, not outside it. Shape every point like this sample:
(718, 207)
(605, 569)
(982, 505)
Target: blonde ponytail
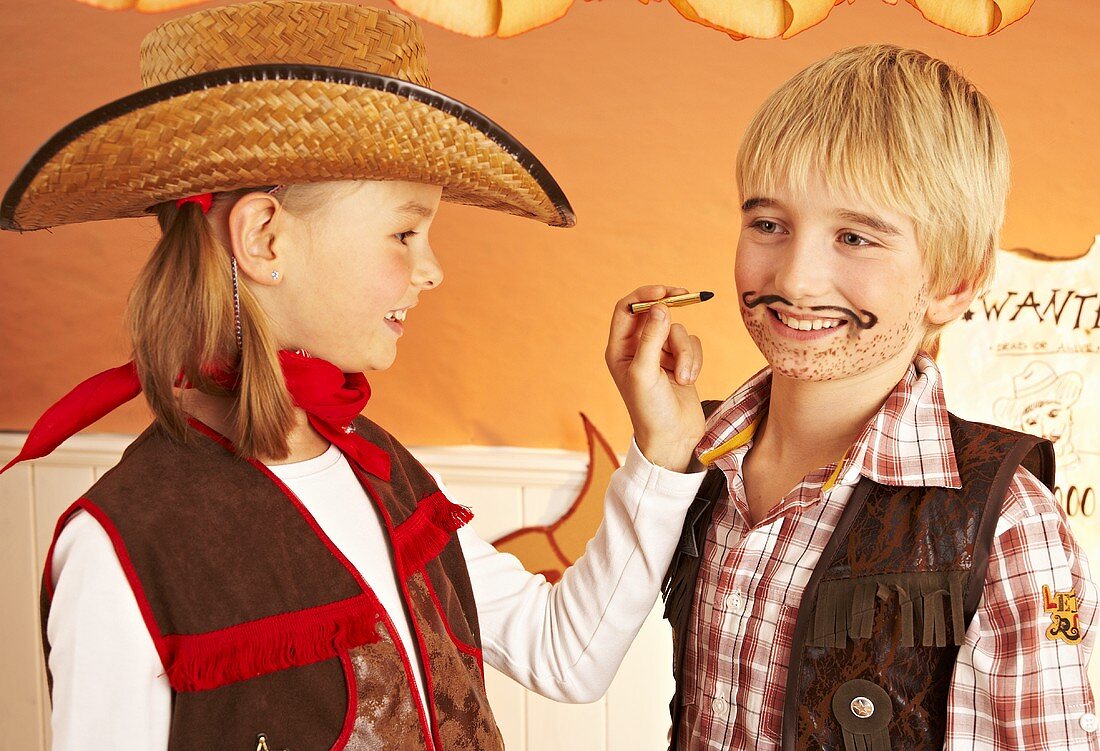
(182, 323)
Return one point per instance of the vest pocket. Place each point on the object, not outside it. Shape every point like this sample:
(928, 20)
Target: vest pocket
(928, 604)
(297, 708)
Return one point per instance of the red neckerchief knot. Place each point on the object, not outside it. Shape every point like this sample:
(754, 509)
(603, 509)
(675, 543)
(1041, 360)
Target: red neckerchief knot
(331, 398)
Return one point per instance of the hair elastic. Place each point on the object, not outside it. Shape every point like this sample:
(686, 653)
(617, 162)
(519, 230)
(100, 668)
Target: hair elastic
(204, 200)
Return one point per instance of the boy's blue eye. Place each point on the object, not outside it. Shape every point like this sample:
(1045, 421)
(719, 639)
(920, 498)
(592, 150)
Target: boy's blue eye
(766, 226)
(403, 236)
(854, 240)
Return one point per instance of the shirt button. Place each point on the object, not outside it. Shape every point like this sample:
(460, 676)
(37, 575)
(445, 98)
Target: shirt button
(718, 706)
(1089, 723)
(735, 601)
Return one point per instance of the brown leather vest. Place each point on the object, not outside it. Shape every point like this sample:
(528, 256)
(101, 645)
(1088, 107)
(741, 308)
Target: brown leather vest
(887, 606)
(264, 627)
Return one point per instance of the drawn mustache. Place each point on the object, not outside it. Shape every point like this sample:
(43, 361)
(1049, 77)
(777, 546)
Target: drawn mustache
(865, 319)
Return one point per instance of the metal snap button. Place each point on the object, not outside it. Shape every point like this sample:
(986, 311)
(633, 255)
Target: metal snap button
(862, 707)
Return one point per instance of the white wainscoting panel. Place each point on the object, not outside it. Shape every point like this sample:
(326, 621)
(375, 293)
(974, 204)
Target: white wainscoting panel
(21, 695)
(507, 488)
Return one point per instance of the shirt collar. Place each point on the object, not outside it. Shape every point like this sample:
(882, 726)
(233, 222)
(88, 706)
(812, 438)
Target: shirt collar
(732, 425)
(907, 442)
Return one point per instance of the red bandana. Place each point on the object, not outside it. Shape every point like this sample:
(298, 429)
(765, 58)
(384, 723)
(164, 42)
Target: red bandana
(332, 400)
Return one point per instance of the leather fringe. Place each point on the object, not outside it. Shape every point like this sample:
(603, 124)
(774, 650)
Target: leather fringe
(678, 587)
(846, 608)
(424, 534)
(877, 741)
(677, 590)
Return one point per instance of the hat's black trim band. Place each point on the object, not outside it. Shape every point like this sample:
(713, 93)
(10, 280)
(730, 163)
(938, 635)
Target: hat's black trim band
(249, 73)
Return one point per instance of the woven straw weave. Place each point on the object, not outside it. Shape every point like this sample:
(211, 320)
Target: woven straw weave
(286, 31)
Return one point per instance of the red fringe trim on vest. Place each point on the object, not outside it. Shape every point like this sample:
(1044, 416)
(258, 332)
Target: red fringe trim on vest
(199, 662)
(423, 535)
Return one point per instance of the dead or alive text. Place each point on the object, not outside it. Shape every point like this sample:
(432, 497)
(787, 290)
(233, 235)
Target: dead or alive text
(1048, 348)
(1070, 308)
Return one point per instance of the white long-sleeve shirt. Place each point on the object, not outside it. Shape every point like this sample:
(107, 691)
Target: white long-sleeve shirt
(564, 641)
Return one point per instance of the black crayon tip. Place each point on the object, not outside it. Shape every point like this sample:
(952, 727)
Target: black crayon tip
(704, 296)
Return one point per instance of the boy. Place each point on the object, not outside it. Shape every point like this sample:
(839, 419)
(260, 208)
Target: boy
(863, 571)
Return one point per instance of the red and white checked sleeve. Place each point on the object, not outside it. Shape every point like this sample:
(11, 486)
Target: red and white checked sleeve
(1014, 687)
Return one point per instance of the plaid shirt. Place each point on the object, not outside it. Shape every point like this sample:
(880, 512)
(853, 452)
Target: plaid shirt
(1013, 688)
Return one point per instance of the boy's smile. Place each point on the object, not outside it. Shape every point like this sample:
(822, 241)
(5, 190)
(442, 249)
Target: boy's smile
(830, 286)
(783, 311)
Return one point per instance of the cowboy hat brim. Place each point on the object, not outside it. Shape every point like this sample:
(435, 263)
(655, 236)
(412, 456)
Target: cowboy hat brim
(275, 124)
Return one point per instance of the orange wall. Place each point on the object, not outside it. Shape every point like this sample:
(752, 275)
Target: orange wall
(636, 112)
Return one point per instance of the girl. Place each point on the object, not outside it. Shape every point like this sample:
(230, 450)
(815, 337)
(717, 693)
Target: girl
(265, 566)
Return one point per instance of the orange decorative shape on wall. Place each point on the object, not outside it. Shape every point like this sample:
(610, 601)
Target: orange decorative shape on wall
(519, 16)
(482, 18)
(767, 19)
(685, 10)
(764, 19)
(550, 549)
(759, 19)
(141, 6)
(476, 18)
(973, 18)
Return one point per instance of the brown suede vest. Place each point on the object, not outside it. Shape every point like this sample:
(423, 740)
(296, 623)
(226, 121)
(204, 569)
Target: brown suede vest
(887, 606)
(264, 627)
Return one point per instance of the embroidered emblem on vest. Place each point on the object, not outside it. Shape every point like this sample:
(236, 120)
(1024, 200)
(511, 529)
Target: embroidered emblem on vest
(1063, 616)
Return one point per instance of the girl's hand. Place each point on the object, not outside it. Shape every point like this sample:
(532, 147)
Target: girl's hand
(655, 364)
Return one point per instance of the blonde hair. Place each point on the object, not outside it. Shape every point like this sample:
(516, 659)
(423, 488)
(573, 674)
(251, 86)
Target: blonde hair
(182, 323)
(897, 128)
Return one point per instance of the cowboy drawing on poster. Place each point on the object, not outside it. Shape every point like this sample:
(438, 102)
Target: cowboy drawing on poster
(1026, 355)
(1042, 403)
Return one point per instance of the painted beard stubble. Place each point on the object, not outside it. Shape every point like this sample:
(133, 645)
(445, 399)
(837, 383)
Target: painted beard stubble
(852, 355)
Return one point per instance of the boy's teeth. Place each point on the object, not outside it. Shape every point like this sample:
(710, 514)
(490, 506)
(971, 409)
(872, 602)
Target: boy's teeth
(805, 324)
(396, 315)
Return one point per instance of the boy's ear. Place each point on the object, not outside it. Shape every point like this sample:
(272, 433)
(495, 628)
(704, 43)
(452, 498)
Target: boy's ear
(949, 306)
(252, 236)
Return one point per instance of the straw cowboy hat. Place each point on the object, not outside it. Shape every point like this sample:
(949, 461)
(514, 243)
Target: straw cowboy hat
(1038, 383)
(277, 93)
